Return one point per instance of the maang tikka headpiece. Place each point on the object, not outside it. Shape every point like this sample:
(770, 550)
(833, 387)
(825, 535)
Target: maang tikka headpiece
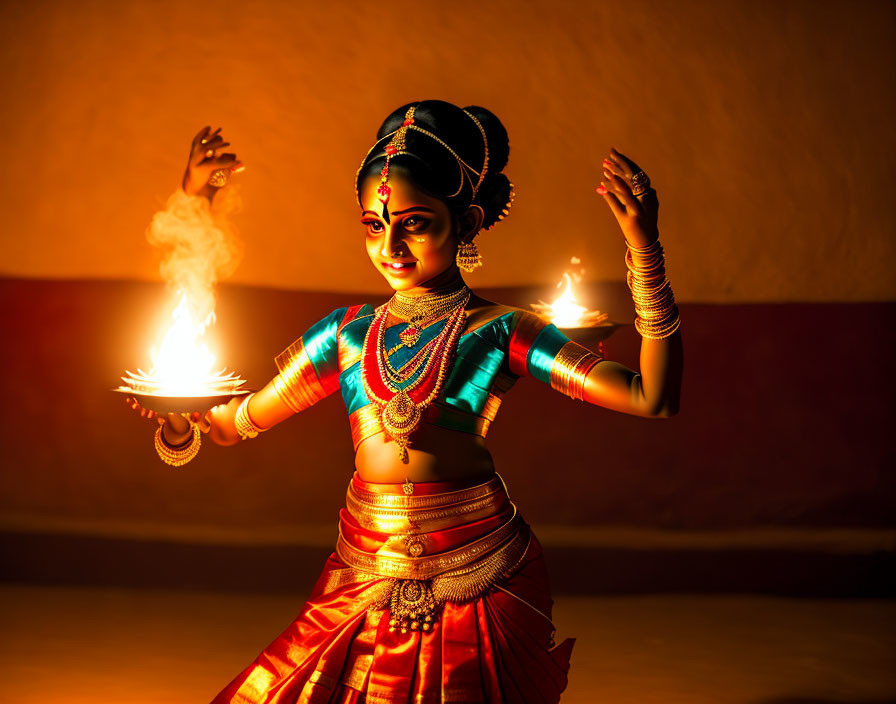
(397, 145)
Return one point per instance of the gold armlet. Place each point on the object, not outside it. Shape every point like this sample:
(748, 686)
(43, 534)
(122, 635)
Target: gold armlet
(570, 369)
(297, 384)
(178, 456)
(245, 426)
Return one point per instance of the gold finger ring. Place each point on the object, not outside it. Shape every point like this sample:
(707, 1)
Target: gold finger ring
(640, 184)
(218, 178)
(210, 153)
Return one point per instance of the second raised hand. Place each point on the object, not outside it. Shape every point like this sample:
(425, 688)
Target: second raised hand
(208, 167)
(637, 216)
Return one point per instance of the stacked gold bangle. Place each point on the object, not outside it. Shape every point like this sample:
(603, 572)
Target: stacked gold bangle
(652, 294)
(177, 456)
(245, 427)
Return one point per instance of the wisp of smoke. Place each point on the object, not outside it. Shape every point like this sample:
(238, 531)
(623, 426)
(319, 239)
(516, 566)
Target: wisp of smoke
(199, 246)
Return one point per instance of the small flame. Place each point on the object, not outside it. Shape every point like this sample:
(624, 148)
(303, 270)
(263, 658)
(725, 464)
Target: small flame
(566, 311)
(183, 365)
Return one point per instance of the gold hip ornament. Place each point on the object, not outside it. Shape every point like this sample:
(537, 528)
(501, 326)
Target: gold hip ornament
(412, 605)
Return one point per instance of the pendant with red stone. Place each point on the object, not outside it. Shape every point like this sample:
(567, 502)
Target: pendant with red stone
(410, 336)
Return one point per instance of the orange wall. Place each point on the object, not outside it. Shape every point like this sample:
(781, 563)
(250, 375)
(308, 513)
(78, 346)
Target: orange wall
(767, 128)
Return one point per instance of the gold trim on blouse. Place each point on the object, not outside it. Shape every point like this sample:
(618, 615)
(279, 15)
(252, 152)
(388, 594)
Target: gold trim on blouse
(366, 422)
(570, 369)
(297, 383)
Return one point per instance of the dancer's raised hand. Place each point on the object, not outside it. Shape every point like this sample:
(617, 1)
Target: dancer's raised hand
(636, 214)
(209, 167)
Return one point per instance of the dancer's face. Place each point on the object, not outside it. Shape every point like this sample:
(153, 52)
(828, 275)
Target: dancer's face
(417, 241)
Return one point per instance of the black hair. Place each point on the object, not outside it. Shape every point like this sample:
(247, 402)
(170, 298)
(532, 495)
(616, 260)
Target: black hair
(434, 169)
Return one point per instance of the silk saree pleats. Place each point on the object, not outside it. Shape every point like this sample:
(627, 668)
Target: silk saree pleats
(496, 644)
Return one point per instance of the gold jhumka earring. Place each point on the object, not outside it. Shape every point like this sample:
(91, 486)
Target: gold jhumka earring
(468, 256)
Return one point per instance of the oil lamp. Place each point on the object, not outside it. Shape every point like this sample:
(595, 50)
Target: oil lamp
(566, 311)
(183, 377)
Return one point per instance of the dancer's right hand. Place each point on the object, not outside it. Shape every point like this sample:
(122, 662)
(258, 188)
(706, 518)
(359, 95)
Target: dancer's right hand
(206, 157)
(176, 427)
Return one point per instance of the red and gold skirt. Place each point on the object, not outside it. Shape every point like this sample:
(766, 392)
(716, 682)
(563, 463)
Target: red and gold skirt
(436, 593)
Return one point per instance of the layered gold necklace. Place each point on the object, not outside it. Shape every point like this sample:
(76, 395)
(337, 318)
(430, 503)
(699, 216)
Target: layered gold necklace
(420, 311)
(403, 394)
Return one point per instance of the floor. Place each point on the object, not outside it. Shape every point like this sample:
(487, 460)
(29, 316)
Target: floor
(79, 645)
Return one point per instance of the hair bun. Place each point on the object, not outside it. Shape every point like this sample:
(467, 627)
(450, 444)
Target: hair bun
(495, 134)
(444, 146)
(494, 197)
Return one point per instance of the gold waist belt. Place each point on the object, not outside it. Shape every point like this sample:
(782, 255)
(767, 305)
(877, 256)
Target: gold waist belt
(385, 563)
(391, 513)
(414, 586)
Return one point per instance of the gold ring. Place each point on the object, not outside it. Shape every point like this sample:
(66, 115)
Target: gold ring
(210, 154)
(218, 178)
(640, 184)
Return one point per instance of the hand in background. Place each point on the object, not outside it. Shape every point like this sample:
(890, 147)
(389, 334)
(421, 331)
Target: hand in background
(636, 215)
(207, 158)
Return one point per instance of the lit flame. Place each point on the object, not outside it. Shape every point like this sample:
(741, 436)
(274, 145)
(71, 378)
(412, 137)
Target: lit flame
(198, 246)
(182, 364)
(566, 311)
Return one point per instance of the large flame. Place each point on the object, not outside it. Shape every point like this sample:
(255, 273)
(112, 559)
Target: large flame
(183, 365)
(198, 246)
(183, 361)
(566, 311)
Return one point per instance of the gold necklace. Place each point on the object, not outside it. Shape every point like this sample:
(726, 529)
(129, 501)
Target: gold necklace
(420, 311)
(401, 409)
(399, 376)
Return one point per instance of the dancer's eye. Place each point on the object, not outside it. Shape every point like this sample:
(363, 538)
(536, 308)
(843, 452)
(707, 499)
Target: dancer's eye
(415, 223)
(373, 225)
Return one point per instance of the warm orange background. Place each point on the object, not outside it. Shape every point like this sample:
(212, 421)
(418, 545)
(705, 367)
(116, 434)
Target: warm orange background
(767, 128)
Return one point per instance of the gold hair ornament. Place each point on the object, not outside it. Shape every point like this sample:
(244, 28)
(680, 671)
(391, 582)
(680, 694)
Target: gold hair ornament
(397, 146)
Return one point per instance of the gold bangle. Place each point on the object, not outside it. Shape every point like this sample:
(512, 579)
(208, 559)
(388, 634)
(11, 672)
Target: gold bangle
(657, 315)
(645, 264)
(178, 456)
(657, 332)
(649, 249)
(245, 426)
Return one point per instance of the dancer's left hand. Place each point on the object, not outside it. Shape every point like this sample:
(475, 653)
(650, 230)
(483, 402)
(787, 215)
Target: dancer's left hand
(637, 216)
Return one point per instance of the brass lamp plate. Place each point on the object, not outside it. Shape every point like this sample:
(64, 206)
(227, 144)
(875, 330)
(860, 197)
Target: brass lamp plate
(182, 404)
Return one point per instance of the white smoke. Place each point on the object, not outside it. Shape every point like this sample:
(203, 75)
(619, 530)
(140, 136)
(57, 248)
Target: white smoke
(199, 246)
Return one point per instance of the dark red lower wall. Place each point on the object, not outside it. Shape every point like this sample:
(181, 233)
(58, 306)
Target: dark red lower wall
(785, 420)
